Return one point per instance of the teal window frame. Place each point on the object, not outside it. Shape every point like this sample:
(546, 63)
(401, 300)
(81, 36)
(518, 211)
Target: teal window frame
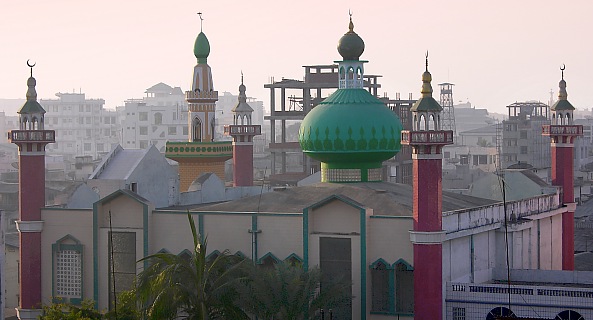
(59, 246)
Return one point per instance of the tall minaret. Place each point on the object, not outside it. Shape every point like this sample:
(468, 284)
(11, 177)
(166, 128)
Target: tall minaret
(201, 99)
(427, 140)
(201, 153)
(31, 139)
(242, 132)
(563, 132)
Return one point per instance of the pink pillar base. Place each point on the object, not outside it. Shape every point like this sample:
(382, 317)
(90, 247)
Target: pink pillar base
(30, 270)
(428, 282)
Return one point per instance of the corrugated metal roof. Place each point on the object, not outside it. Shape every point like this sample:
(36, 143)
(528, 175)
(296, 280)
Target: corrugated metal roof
(122, 164)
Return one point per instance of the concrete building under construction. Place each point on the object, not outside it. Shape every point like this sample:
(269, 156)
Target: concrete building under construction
(291, 100)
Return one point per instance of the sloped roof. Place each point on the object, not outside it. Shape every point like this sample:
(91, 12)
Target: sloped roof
(384, 198)
(159, 87)
(119, 164)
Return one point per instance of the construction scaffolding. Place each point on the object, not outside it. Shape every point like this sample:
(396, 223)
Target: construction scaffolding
(448, 113)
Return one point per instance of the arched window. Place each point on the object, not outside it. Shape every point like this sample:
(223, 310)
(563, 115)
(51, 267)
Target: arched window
(158, 118)
(268, 261)
(500, 312)
(67, 269)
(422, 123)
(569, 315)
(404, 287)
(212, 123)
(196, 130)
(431, 122)
(382, 294)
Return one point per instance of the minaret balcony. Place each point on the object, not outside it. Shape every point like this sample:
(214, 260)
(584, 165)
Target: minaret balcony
(201, 95)
(242, 129)
(562, 130)
(32, 136)
(431, 137)
(351, 84)
(213, 149)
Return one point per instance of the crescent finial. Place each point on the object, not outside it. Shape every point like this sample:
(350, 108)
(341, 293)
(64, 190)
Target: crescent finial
(562, 70)
(31, 66)
(201, 20)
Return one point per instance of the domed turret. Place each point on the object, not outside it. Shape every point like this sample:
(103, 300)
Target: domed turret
(202, 48)
(351, 132)
(351, 45)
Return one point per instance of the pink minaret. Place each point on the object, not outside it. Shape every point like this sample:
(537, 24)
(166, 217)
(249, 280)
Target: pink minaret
(563, 132)
(31, 139)
(242, 132)
(427, 140)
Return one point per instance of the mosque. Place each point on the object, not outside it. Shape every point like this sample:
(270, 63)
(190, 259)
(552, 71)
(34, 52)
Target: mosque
(411, 252)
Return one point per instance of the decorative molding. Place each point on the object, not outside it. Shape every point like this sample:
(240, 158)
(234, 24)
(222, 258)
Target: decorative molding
(24, 314)
(424, 237)
(427, 156)
(29, 226)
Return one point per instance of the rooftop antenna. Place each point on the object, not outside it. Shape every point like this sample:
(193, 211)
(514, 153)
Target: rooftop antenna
(31, 66)
(201, 21)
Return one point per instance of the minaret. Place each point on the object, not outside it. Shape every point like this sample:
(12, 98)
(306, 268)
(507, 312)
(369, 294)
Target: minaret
(201, 153)
(427, 140)
(201, 99)
(242, 132)
(563, 132)
(31, 139)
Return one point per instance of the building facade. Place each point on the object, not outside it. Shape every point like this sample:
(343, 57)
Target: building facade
(83, 126)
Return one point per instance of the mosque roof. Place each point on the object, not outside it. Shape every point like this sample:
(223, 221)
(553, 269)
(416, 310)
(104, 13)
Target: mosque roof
(389, 199)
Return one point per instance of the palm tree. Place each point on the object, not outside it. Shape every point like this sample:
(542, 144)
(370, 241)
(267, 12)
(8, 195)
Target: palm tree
(175, 287)
(289, 292)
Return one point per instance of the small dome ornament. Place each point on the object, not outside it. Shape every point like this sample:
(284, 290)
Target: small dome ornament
(350, 45)
(202, 45)
(562, 104)
(426, 79)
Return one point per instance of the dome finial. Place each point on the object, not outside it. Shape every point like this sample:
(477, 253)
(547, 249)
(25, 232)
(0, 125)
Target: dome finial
(31, 66)
(241, 76)
(201, 21)
(31, 82)
(351, 24)
(562, 94)
(426, 79)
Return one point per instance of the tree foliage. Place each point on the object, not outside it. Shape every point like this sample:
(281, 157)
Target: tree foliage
(195, 288)
(289, 292)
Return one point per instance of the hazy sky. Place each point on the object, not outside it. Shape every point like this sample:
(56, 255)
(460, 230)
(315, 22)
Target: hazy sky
(496, 52)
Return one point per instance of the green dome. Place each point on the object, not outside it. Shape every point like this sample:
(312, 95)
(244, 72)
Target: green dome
(202, 48)
(351, 129)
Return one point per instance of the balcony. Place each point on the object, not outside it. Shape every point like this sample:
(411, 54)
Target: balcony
(562, 130)
(441, 137)
(252, 130)
(201, 95)
(32, 136)
(215, 149)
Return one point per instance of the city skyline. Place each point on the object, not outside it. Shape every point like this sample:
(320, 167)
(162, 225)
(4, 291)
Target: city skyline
(495, 53)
